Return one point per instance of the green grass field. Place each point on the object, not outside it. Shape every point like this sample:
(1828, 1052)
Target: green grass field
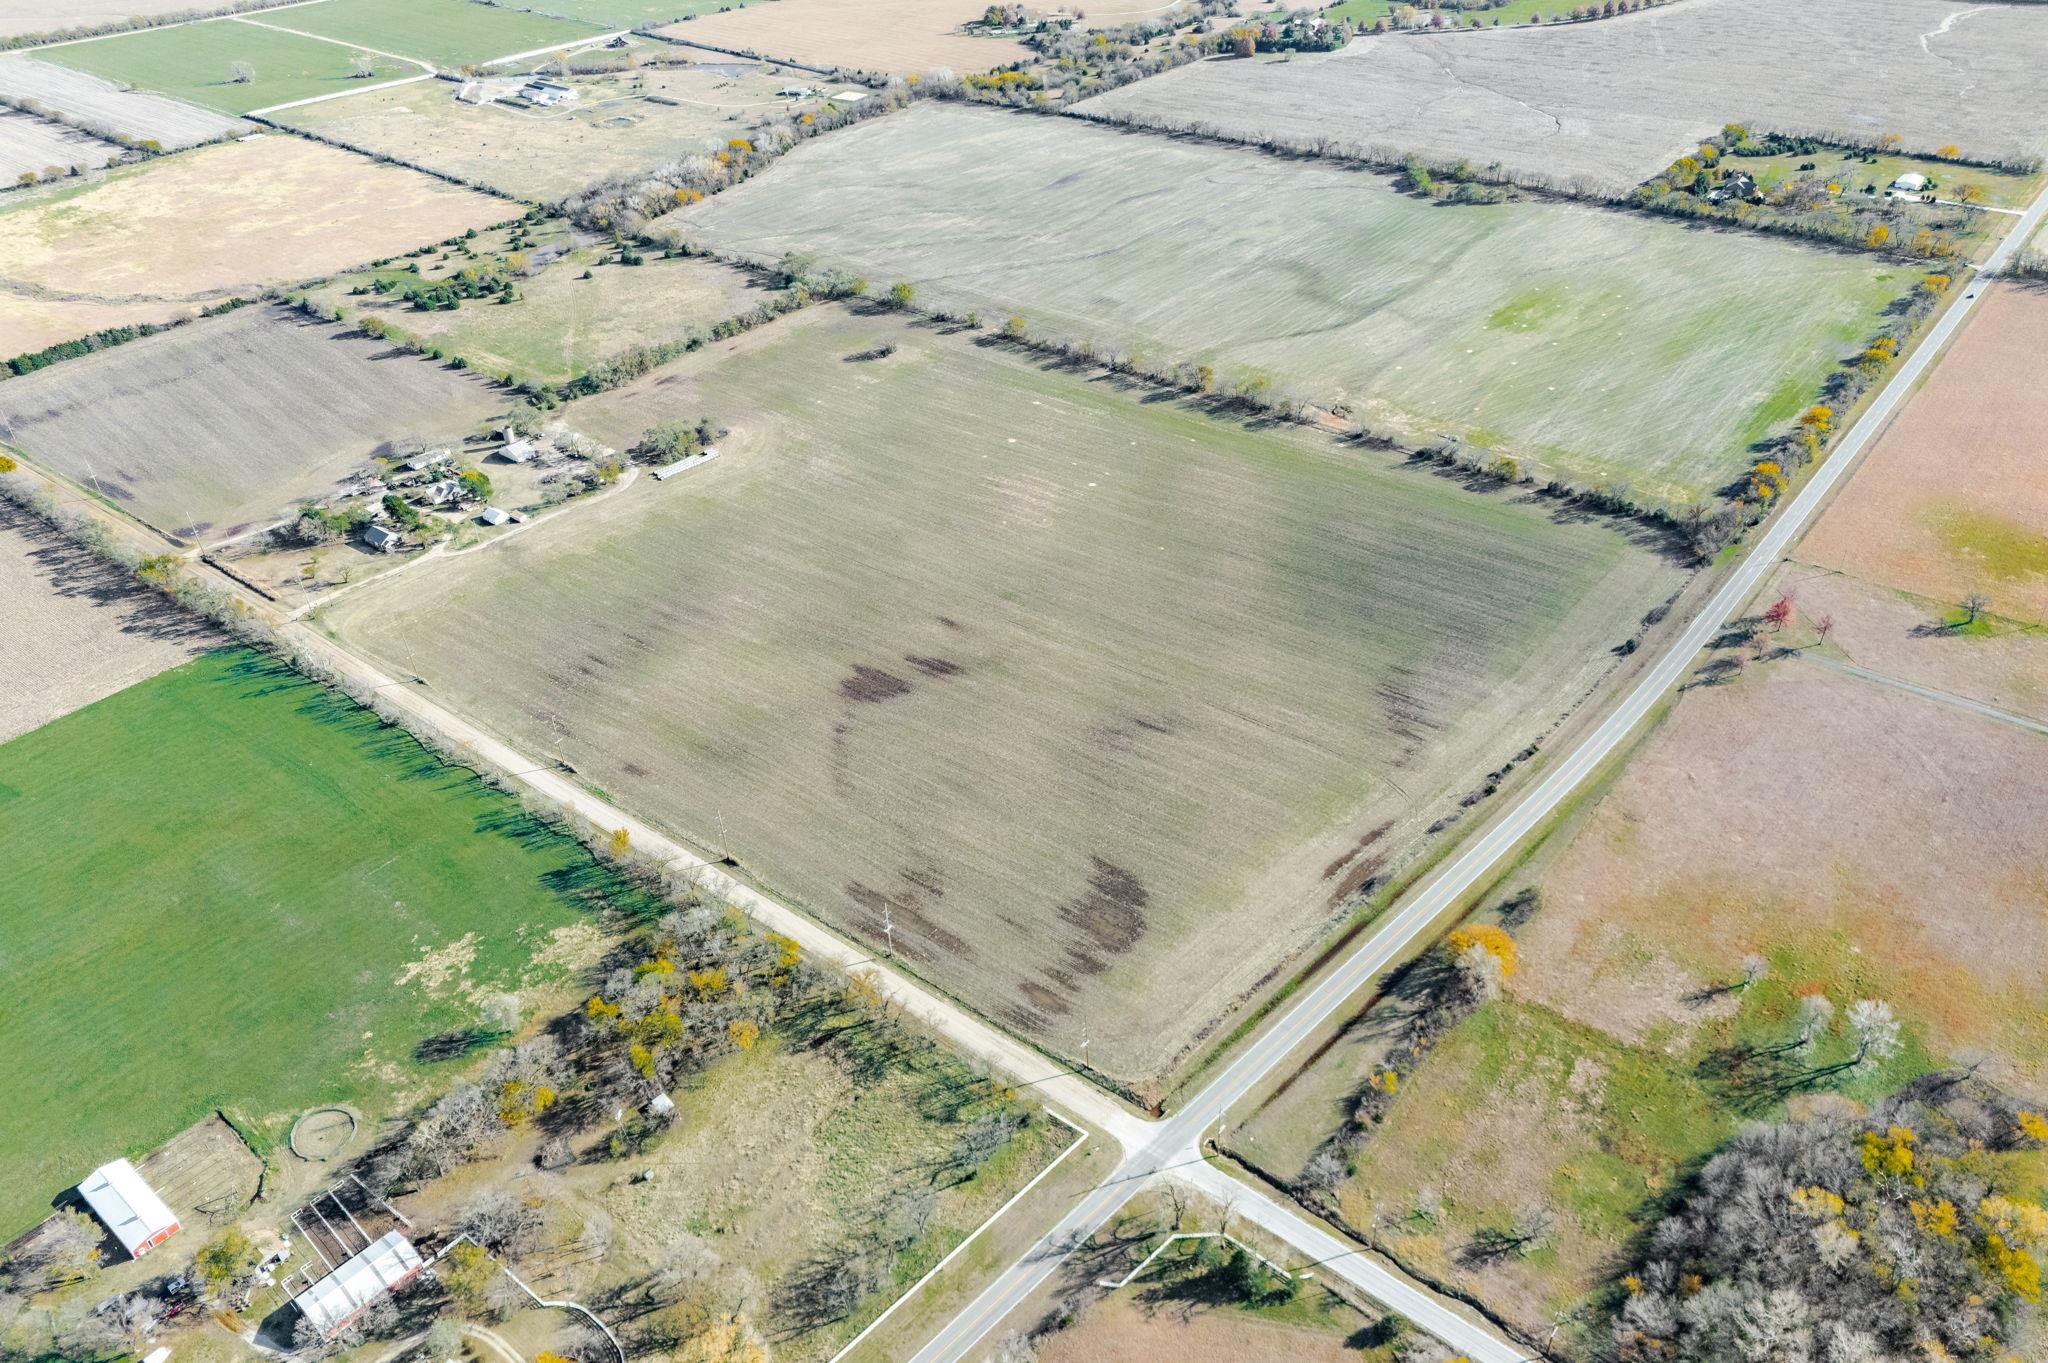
(1085, 689)
(1601, 347)
(562, 323)
(448, 33)
(194, 61)
(217, 880)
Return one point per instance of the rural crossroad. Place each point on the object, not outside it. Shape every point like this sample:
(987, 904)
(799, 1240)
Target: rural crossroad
(1173, 1146)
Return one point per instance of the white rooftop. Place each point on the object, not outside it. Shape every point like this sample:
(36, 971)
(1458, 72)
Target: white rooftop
(330, 1303)
(129, 1206)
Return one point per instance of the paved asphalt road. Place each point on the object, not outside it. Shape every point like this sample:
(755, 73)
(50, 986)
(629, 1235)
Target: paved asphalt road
(1174, 1144)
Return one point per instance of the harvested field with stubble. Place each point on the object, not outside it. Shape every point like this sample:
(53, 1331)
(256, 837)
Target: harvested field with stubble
(1954, 498)
(92, 102)
(19, 17)
(1551, 332)
(73, 630)
(1609, 104)
(620, 123)
(167, 237)
(898, 36)
(35, 146)
(210, 428)
(1103, 704)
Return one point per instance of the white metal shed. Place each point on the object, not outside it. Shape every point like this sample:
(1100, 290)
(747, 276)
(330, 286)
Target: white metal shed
(139, 1219)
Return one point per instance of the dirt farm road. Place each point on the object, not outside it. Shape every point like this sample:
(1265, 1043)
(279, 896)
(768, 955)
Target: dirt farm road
(1172, 1147)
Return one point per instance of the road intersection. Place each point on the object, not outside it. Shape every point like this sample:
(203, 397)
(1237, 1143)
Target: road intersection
(1172, 1148)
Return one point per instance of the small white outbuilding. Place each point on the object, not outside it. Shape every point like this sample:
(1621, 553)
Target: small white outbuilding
(131, 1209)
(1912, 182)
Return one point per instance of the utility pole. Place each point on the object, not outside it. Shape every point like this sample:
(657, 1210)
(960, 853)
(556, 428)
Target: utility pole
(889, 929)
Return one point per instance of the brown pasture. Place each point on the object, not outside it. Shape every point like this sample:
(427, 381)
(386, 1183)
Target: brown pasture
(1873, 835)
(1954, 498)
(164, 238)
(899, 36)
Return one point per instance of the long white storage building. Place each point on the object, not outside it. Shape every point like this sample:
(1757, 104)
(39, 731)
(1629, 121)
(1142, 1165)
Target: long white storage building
(139, 1219)
(340, 1297)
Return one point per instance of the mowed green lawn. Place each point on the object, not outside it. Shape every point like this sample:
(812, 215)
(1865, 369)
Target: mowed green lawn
(214, 883)
(195, 62)
(448, 33)
(1605, 348)
(1079, 690)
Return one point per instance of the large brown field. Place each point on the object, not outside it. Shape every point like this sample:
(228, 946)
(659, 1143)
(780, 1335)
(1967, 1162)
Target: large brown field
(1102, 705)
(632, 121)
(73, 630)
(164, 238)
(1954, 498)
(1611, 103)
(223, 423)
(899, 36)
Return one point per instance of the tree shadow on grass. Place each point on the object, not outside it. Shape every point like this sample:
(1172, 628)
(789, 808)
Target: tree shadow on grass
(581, 882)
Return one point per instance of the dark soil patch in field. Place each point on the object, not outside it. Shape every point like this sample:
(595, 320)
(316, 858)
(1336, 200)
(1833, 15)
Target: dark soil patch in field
(934, 667)
(1111, 911)
(871, 685)
(1045, 1000)
(1357, 850)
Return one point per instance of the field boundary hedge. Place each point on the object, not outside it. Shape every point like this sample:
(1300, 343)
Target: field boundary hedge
(47, 37)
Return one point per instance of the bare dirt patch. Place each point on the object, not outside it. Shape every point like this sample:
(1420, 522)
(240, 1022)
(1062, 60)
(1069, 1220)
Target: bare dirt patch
(1121, 1330)
(183, 231)
(1954, 498)
(73, 630)
(1610, 103)
(882, 35)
